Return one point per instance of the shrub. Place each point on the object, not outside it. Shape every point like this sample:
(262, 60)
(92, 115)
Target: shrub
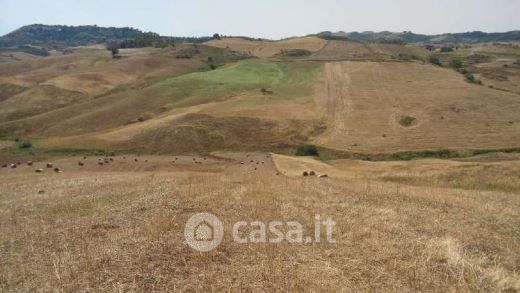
(407, 120)
(446, 49)
(307, 150)
(296, 53)
(25, 145)
(456, 63)
(266, 91)
(434, 60)
(469, 77)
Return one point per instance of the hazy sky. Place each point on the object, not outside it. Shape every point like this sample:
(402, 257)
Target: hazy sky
(267, 18)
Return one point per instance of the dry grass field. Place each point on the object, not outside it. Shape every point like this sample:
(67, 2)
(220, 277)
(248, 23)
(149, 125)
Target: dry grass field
(366, 102)
(265, 49)
(119, 227)
(144, 141)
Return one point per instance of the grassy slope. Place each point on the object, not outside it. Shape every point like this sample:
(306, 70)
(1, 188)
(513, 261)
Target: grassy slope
(216, 109)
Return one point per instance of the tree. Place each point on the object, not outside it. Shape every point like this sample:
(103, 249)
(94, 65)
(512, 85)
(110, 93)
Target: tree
(113, 47)
(456, 63)
(435, 60)
(307, 150)
(216, 36)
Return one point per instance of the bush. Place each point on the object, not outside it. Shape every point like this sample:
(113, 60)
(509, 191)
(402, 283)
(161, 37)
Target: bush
(462, 71)
(434, 60)
(469, 77)
(296, 53)
(266, 91)
(307, 150)
(25, 145)
(456, 63)
(446, 49)
(407, 120)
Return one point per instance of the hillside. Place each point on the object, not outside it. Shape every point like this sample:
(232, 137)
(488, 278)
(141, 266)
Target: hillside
(410, 37)
(343, 95)
(60, 35)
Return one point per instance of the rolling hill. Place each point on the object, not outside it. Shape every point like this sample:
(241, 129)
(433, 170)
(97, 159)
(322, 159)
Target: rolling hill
(244, 94)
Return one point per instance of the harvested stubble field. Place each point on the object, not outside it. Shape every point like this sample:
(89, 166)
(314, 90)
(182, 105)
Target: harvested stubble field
(119, 227)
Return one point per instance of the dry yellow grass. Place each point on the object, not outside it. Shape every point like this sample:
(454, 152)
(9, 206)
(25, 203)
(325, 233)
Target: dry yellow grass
(121, 229)
(266, 49)
(365, 101)
(57, 81)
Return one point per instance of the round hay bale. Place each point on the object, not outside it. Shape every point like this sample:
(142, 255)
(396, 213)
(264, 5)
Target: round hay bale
(81, 164)
(4, 166)
(41, 191)
(38, 170)
(305, 173)
(13, 166)
(323, 176)
(29, 163)
(312, 173)
(100, 163)
(49, 165)
(57, 170)
(136, 160)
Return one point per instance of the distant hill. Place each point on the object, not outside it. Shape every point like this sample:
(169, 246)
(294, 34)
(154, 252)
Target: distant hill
(60, 35)
(70, 36)
(410, 37)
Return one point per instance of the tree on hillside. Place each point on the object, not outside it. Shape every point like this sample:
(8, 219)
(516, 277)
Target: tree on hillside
(113, 47)
(216, 36)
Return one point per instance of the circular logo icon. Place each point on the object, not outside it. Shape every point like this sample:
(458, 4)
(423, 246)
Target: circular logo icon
(203, 232)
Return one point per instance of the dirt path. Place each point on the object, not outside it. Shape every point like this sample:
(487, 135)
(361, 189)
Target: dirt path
(336, 100)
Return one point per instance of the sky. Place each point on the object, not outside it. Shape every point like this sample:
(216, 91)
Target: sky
(273, 19)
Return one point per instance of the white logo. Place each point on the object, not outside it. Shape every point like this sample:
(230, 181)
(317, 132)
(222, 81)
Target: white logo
(203, 232)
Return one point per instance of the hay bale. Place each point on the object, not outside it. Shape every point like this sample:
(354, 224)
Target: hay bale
(13, 166)
(81, 164)
(4, 166)
(323, 176)
(57, 170)
(136, 160)
(41, 191)
(29, 163)
(305, 173)
(49, 165)
(39, 171)
(312, 173)
(100, 163)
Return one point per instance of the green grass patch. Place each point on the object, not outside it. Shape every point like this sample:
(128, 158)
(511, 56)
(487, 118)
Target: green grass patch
(221, 83)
